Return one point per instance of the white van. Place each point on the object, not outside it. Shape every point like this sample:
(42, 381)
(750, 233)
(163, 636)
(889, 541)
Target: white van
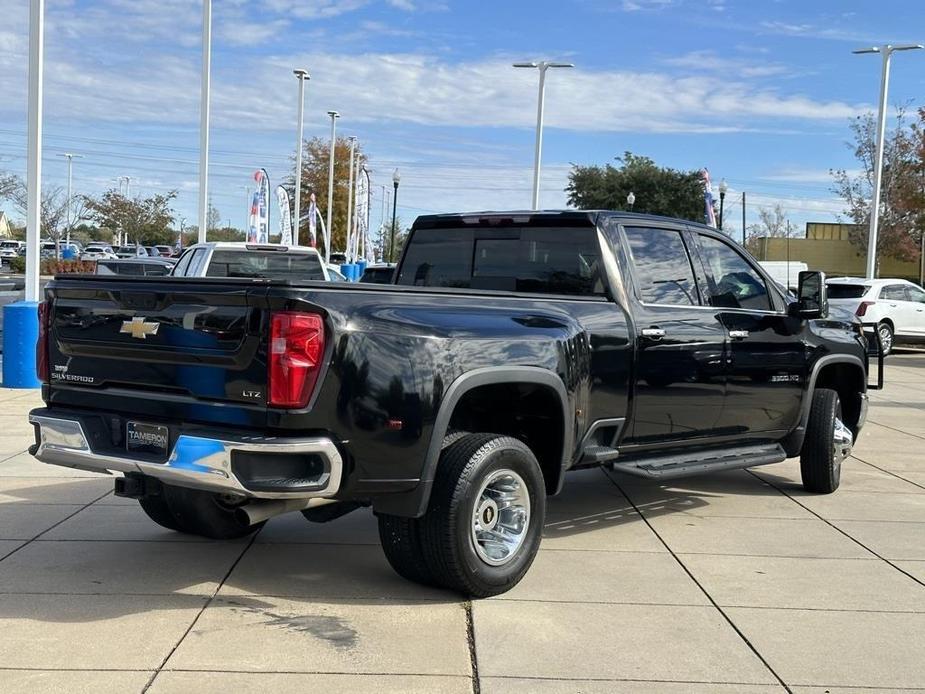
(785, 273)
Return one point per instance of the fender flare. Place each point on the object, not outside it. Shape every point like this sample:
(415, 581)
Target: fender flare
(793, 442)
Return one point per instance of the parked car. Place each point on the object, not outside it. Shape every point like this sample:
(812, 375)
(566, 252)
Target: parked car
(784, 272)
(138, 267)
(132, 251)
(513, 346)
(10, 249)
(379, 273)
(165, 251)
(895, 306)
(98, 252)
(265, 261)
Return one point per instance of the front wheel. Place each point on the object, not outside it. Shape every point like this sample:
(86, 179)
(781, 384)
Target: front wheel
(484, 522)
(828, 442)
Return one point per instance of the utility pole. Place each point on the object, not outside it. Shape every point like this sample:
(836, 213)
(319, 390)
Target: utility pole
(329, 232)
(302, 75)
(353, 146)
(205, 105)
(70, 165)
(743, 219)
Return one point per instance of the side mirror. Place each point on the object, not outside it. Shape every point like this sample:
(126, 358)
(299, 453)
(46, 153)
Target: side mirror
(812, 297)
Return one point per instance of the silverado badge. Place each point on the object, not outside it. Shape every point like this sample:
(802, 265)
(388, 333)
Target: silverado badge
(139, 327)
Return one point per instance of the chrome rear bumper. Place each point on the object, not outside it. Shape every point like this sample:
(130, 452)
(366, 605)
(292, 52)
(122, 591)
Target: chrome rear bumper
(200, 462)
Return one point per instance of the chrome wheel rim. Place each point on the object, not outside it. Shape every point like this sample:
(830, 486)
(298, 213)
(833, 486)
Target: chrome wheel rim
(886, 338)
(501, 517)
(842, 441)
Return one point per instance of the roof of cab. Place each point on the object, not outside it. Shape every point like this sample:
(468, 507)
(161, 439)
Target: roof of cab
(539, 217)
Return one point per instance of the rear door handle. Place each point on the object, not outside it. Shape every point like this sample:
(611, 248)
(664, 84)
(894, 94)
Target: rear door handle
(653, 333)
(738, 334)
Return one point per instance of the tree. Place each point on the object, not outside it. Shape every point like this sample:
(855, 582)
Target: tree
(53, 210)
(145, 221)
(772, 223)
(315, 158)
(213, 219)
(658, 190)
(896, 235)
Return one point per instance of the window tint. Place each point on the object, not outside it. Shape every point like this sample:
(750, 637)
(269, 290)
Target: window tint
(736, 284)
(156, 270)
(265, 264)
(896, 292)
(179, 270)
(846, 291)
(916, 294)
(541, 260)
(663, 268)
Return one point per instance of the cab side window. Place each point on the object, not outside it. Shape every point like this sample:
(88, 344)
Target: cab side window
(663, 270)
(735, 283)
(180, 269)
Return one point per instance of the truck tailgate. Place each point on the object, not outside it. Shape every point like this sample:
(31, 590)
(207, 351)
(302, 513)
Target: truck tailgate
(169, 341)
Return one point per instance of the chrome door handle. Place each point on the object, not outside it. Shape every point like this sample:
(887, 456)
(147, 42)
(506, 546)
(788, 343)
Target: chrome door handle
(653, 333)
(738, 334)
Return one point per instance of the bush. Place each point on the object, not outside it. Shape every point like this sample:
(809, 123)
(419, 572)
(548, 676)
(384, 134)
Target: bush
(17, 265)
(50, 266)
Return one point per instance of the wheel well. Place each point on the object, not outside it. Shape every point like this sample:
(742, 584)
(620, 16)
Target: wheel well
(889, 322)
(848, 381)
(527, 411)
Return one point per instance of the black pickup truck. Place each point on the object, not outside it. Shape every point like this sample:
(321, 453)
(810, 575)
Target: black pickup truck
(511, 348)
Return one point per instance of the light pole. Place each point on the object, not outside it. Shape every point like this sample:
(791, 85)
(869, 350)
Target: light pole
(70, 164)
(542, 66)
(723, 189)
(34, 147)
(886, 52)
(205, 89)
(302, 75)
(353, 146)
(329, 232)
(631, 200)
(396, 179)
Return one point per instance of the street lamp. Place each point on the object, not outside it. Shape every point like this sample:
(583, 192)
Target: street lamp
(70, 164)
(631, 200)
(543, 65)
(302, 75)
(396, 179)
(886, 52)
(353, 146)
(205, 104)
(723, 189)
(328, 232)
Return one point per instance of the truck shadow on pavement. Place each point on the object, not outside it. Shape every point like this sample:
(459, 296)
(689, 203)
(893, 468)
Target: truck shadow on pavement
(108, 560)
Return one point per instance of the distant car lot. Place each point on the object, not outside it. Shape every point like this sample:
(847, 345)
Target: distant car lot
(895, 306)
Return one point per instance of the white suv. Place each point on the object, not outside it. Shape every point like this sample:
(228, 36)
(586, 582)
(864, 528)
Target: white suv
(896, 306)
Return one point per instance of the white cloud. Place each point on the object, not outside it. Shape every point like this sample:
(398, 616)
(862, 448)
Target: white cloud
(406, 5)
(711, 61)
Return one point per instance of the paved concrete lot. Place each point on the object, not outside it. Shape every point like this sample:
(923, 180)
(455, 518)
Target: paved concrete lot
(737, 582)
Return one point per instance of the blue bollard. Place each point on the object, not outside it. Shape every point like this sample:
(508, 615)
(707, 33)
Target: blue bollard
(361, 268)
(20, 335)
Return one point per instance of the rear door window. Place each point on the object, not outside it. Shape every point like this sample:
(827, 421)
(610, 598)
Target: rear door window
(540, 260)
(265, 264)
(734, 282)
(662, 266)
(894, 292)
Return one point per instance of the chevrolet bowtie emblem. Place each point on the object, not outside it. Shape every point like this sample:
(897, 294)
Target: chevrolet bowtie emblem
(138, 327)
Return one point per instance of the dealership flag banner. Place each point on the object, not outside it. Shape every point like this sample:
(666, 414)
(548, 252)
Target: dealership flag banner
(259, 222)
(361, 213)
(285, 216)
(313, 220)
(252, 218)
(709, 214)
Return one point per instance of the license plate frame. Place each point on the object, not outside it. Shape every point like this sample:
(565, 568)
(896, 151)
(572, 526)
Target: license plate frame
(146, 438)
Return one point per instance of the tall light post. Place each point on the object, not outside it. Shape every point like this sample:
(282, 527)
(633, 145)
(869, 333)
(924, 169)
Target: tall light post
(723, 189)
(329, 232)
(302, 75)
(70, 165)
(542, 66)
(886, 52)
(396, 179)
(631, 200)
(205, 89)
(353, 146)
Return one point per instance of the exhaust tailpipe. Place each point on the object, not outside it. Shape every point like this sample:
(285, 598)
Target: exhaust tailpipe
(260, 510)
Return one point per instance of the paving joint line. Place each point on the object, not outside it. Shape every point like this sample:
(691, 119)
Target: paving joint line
(709, 597)
(889, 472)
(470, 642)
(26, 543)
(843, 532)
(208, 602)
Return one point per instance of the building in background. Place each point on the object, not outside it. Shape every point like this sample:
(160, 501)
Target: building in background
(826, 247)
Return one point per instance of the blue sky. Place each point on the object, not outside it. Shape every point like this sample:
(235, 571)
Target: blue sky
(759, 92)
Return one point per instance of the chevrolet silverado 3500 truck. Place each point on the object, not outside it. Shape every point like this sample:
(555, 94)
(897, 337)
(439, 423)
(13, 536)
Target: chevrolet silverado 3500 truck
(511, 348)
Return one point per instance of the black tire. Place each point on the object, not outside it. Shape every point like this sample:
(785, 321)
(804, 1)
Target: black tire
(886, 337)
(401, 538)
(446, 528)
(820, 467)
(205, 513)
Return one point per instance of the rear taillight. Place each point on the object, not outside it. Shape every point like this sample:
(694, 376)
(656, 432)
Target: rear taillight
(41, 346)
(862, 308)
(296, 352)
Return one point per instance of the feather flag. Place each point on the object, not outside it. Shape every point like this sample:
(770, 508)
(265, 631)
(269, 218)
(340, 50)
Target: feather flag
(709, 214)
(285, 216)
